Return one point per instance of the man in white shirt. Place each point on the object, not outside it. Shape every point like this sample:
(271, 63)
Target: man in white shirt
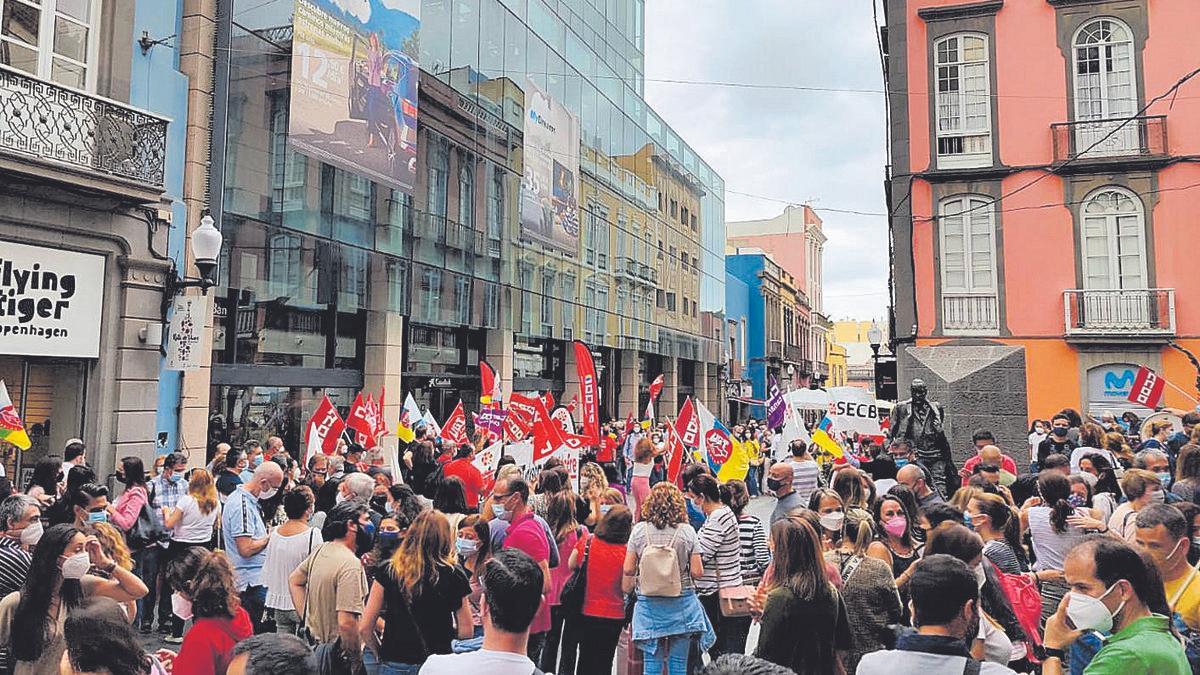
(514, 592)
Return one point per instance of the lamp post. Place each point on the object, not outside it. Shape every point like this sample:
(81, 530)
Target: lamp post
(206, 246)
(875, 339)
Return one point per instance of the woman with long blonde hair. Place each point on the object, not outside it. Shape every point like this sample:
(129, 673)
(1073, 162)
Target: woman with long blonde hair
(191, 524)
(421, 594)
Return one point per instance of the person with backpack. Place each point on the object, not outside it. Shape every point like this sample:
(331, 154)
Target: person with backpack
(662, 563)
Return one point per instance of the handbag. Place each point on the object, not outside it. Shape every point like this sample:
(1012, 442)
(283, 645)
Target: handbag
(571, 597)
(147, 530)
(735, 600)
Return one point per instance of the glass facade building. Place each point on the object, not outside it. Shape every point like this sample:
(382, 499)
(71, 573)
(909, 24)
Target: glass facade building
(319, 262)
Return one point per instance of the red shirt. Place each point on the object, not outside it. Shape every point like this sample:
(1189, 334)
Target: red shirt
(208, 647)
(968, 468)
(603, 597)
(466, 471)
(526, 534)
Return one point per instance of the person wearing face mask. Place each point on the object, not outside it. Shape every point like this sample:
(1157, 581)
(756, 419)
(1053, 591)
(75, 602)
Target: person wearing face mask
(231, 477)
(90, 504)
(946, 615)
(510, 504)
(1141, 488)
(328, 587)
(20, 521)
(831, 511)
(1156, 461)
(780, 483)
(1115, 590)
(1164, 535)
(560, 515)
(895, 544)
(719, 545)
(205, 595)
(868, 587)
(289, 545)
(474, 550)
(246, 536)
(752, 536)
(1059, 441)
(31, 619)
(254, 456)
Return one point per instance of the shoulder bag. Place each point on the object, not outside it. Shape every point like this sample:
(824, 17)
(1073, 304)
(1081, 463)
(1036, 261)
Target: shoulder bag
(571, 597)
(147, 530)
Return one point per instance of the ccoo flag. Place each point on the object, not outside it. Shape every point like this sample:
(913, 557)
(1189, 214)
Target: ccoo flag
(716, 446)
(589, 389)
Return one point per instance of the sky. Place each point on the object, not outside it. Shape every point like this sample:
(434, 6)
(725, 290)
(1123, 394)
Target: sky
(824, 148)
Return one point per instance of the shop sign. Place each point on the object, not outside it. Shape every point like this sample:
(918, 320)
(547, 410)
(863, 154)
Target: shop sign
(51, 301)
(441, 383)
(1109, 386)
(183, 335)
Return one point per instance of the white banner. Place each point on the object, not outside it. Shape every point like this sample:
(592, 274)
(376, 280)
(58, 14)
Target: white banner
(853, 409)
(183, 335)
(51, 301)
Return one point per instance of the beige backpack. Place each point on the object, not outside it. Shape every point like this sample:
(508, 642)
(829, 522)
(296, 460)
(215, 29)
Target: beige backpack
(658, 570)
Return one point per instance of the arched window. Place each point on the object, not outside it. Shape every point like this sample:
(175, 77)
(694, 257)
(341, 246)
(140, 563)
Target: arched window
(438, 170)
(466, 192)
(967, 239)
(1113, 246)
(964, 125)
(1105, 88)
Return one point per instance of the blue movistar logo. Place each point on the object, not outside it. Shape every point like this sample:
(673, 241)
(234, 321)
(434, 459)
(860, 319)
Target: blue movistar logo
(1124, 381)
(541, 121)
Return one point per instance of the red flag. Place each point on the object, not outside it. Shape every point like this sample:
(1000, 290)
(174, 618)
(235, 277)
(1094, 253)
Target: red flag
(524, 405)
(516, 426)
(687, 425)
(589, 388)
(574, 403)
(488, 384)
(675, 453)
(380, 423)
(547, 437)
(361, 420)
(455, 428)
(630, 424)
(656, 388)
(1147, 389)
(327, 424)
(548, 400)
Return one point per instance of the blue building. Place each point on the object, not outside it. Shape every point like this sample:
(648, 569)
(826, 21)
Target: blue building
(760, 331)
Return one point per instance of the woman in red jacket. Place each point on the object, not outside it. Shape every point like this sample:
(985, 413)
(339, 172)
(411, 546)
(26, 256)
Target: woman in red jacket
(603, 600)
(206, 593)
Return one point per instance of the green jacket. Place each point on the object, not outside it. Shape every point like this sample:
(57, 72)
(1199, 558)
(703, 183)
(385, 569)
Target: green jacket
(1144, 646)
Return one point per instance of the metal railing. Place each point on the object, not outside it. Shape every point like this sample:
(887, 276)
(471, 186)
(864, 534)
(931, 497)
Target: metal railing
(1147, 311)
(1115, 138)
(970, 314)
(77, 130)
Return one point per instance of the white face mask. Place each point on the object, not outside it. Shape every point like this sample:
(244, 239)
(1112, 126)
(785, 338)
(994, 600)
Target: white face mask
(1088, 613)
(32, 534)
(833, 520)
(181, 606)
(339, 498)
(74, 567)
(267, 493)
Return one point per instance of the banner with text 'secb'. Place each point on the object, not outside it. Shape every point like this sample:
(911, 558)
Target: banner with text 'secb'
(354, 86)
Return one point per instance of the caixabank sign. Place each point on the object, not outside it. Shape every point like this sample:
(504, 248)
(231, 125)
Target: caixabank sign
(51, 301)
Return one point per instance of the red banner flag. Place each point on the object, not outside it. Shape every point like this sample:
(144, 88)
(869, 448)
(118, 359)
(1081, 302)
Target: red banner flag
(327, 424)
(630, 424)
(488, 384)
(455, 428)
(548, 400)
(362, 420)
(675, 453)
(589, 388)
(656, 388)
(381, 429)
(547, 437)
(516, 426)
(526, 406)
(687, 425)
(1147, 389)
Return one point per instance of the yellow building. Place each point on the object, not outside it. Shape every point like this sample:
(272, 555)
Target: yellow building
(836, 357)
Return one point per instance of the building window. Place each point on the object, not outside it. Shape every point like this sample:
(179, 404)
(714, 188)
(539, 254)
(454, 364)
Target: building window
(1105, 89)
(431, 293)
(438, 174)
(51, 39)
(495, 197)
(547, 301)
(968, 264)
(526, 284)
(670, 302)
(964, 137)
(674, 209)
(462, 299)
(352, 196)
(288, 166)
(284, 265)
(1114, 246)
(466, 193)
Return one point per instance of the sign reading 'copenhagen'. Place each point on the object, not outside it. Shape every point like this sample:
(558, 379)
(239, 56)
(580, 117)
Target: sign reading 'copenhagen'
(51, 301)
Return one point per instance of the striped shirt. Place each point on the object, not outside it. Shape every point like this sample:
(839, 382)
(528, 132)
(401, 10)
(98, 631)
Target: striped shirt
(720, 551)
(805, 478)
(1001, 553)
(14, 567)
(752, 540)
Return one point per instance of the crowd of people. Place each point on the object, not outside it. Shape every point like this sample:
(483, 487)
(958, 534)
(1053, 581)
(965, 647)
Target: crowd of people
(868, 563)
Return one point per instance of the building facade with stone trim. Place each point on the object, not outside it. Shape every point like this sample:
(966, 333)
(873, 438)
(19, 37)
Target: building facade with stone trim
(93, 218)
(1042, 197)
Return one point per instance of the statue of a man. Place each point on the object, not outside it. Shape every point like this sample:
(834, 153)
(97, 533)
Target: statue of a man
(922, 423)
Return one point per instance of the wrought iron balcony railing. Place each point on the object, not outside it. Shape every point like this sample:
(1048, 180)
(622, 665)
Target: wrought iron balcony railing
(48, 123)
(1121, 138)
(977, 314)
(1114, 313)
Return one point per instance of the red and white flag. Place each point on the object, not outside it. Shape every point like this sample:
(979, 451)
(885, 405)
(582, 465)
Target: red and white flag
(590, 389)
(489, 384)
(327, 425)
(687, 425)
(363, 421)
(1147, 389)
(455, 428)
(656, 388)
(675, 453)
(487, 460)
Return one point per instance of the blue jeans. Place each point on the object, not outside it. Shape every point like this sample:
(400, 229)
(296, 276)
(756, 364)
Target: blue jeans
(145, 567)
(670, 656)
(394, 668)
(753, 479)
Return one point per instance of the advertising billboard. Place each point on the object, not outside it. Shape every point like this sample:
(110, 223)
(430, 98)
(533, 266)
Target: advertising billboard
(51, 301)
(354, 86)
(550, 185)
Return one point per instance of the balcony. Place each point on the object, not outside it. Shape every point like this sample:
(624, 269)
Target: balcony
(1136, 140)
(87, 141)
(793, 354)
(970, 314)
(1134, 315)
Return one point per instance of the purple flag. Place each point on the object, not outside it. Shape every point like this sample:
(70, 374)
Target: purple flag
(491, 419)
(774, 405)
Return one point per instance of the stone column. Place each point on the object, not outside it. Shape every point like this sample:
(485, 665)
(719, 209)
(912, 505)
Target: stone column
(630, 382)
(668, 401)
(196, 62)
(384, 355)
(499, 353)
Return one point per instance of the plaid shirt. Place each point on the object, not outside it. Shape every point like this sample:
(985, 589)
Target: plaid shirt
(167, 492)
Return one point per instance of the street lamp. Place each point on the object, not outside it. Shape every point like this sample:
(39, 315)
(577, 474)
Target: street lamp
(875, 339)
(206, 246)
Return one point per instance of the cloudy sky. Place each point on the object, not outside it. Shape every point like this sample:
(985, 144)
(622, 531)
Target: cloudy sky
(826, 148)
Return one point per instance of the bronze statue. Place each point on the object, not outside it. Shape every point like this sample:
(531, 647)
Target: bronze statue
(921, 422)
